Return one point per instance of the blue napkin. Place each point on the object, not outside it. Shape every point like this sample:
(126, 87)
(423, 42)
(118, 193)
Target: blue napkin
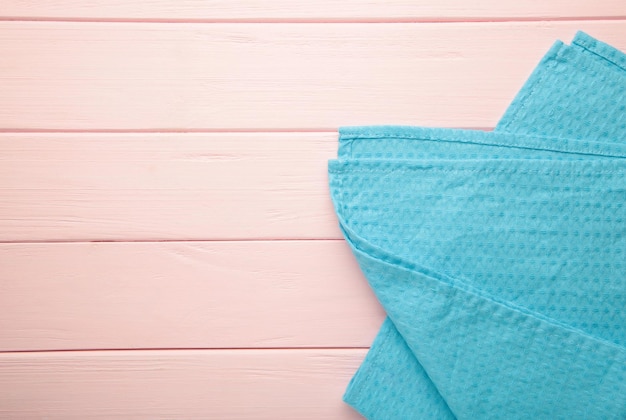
(497, 255)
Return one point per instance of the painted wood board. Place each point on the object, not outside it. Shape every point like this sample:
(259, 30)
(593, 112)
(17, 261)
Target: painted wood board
(258, 76)
(139, 295)
(307, 10)
(154, 186)
(192, 384)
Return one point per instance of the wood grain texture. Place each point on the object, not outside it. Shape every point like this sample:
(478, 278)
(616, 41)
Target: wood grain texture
(229, 384)
(200, 250)
(301, 9)
(143, 186)
(153, 76)
(184, 295)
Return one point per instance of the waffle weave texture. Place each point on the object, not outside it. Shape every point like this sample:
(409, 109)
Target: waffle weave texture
(498, 256)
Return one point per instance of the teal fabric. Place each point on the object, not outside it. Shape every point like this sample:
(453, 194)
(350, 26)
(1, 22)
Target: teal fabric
(498, 256)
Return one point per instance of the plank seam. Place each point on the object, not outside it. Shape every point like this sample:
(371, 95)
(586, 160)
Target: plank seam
(168, 130)
(156, 241)
(176, 349)
(323, 130)
(440, 20)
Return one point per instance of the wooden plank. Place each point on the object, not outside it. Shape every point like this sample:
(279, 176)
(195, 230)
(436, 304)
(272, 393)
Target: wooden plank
(322, 9)
(229, 384)
(157, 76)
(184, 295)
(60, 187)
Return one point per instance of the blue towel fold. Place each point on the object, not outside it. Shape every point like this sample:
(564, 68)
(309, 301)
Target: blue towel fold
(498, 256)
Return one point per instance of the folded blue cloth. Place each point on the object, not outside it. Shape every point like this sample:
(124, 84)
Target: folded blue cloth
(497, 256)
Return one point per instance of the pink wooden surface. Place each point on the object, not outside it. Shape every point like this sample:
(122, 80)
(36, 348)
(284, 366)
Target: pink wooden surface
(168, 248)
(393, 10)
(205, 186)
(257, 76)
(183, 295)
(191, 384)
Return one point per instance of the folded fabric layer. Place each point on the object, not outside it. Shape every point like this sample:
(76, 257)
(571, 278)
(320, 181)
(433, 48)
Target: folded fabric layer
(576, 91)
(454, 228)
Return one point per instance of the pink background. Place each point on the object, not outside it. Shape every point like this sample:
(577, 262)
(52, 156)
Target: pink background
(168, 247)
